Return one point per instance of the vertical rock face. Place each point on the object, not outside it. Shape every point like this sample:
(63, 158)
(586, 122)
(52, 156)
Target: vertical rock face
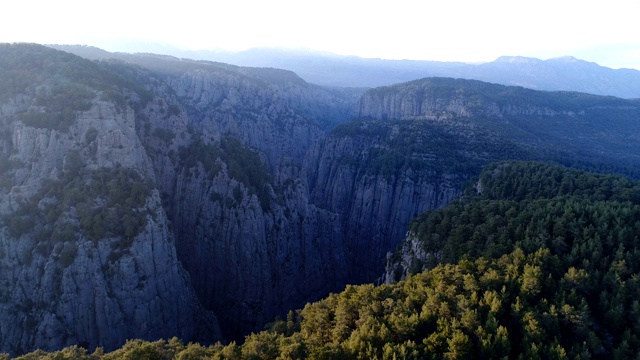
(245, 108)
(271, 110)
(375, 200)
(78, 292)
(413, 149)
(271, 242)
(253, 243)
(252, 262)
(86, 252)
(425, 99)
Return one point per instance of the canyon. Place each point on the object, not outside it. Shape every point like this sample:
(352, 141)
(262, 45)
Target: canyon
(247, 192)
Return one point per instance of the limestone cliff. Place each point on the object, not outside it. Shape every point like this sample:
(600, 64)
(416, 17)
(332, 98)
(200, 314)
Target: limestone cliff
(86, 252)
(441, 98)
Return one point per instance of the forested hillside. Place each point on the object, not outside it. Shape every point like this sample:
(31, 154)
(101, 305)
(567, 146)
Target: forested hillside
(534, 262)
(579, 216)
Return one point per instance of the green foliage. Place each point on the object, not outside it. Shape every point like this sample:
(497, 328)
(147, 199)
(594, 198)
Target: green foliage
(164, 134)
(60, 104)
(26, 66)
(542, 263)
(200, 153)
(530, 205)
(68, 353)
(73, 165)
(547, 271)
(90, 135)
(63, 84)
(518, 305)
(474, 309)
(125, 194)
(143, 350)
(426, 148)
(531, 180)
(589, 224)
(68, 254)
(106, 203)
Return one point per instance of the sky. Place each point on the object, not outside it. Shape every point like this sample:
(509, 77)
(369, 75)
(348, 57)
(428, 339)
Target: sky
(453, 30)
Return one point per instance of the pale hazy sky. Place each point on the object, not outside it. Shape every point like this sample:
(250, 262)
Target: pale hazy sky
(455, 30)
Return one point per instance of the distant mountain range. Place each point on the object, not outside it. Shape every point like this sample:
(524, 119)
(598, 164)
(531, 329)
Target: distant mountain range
(565, 73)
(322, 68)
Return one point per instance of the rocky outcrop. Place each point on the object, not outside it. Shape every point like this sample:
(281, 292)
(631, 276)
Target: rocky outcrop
(81, 292)
(81, 261)
(447, 99)
(409, 257)
(419, 142)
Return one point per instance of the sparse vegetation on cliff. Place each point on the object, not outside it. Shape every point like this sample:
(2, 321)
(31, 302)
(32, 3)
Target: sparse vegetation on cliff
(95, 204)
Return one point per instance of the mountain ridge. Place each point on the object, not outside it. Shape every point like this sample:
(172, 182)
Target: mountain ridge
(561, 73)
